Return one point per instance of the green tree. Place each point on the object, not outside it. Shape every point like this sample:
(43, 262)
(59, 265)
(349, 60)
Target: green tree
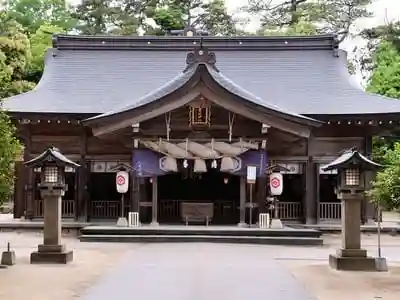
(211, 16)
(327, 16)
(9, 149)
(94, 16)
(301, 28)
(32, 14)
(40, 41)
(386, 187)
(14, 54)
(385, 77)
(382, 63)
(120, 17)
(14, 57)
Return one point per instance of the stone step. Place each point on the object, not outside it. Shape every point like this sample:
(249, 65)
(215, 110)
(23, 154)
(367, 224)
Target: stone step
(200, 231)
(268, 240)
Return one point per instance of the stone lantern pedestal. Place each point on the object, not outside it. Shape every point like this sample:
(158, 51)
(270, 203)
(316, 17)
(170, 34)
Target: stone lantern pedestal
(52, 187)
(352, 182)
(52, 251)
(350, 256)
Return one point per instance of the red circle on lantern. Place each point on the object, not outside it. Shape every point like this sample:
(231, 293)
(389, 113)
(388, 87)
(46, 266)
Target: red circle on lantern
(275, 182)
(120, 180)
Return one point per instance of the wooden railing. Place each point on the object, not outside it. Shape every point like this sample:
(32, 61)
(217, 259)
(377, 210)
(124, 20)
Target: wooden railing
(290, 210)
(107, 209)
(67, 208)
(330, 211)
(169, 210)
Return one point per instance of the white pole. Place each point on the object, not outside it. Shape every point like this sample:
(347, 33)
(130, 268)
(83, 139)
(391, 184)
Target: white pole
(379, 232)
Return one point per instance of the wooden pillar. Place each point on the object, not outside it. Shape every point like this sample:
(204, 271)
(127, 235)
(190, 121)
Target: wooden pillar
(135, 189)
(311, 197)
(30, 176)
(82, 178)
(311, 193)
(261, 194)
(154, 202)
(19, 189)
(86, 192)
(242, 208)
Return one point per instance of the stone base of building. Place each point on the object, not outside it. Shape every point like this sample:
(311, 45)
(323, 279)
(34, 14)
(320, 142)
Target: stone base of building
(51, 254)
(356, 260)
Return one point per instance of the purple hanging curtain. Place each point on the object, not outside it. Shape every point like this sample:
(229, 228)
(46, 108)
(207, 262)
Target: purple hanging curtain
(146, 163)
(256, 158)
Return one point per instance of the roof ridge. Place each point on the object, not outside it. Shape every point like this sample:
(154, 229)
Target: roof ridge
(98, 42)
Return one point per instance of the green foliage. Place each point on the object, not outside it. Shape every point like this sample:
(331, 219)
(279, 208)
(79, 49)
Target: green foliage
(40, 41)
(301, 28)
(383, 60)
(94, 16)
(386, 188)
(32, 14)
(211, 16)
(9, 148)
(385, 78)
(121, 17)
(14, 57)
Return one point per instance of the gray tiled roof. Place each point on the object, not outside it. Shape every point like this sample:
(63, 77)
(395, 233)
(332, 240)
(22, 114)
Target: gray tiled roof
(308, 81)
(184, 77)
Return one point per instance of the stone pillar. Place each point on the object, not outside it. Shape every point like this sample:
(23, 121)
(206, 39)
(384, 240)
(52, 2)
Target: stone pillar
(52, 225)
(351, 257)
(242, 208)
(351, 234)
(154, 202)
(51, 251)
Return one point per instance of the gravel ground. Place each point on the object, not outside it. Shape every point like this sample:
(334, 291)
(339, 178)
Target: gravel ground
(24, 281)
(94, 263)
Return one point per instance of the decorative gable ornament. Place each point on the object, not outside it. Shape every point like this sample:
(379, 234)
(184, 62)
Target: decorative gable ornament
(200, 113)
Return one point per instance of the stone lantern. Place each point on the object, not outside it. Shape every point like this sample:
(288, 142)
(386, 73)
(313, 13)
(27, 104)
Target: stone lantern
(51, 164)
(351, 167)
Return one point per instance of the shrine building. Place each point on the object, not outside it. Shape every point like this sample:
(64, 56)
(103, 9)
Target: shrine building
(189, 114)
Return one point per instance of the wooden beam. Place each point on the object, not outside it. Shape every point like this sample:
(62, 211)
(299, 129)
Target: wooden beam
(238, 106)
(142, 115)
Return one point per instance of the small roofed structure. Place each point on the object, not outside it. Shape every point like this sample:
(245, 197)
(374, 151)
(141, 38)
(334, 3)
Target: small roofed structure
(51, 156)
(350, 158)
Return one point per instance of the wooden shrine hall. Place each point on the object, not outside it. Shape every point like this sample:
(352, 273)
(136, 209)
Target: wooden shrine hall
(189, 114)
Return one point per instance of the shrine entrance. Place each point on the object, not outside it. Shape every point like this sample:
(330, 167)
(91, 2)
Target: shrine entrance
(212, 197)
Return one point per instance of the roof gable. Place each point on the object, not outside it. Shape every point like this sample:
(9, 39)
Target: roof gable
(200, 77)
